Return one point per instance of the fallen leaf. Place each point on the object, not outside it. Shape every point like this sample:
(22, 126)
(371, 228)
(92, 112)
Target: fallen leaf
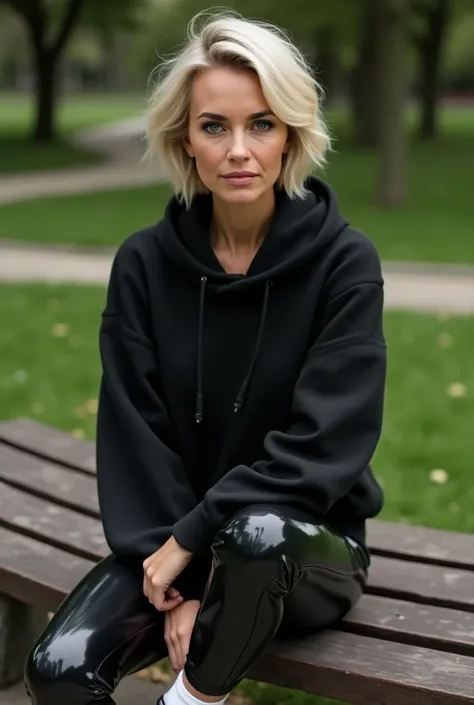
(457, 389)
(60, 330)
(445, 340)
(37, 408)
(439, 476)
(443, 316)
(91, 406)
(454, 507)
(78, 433)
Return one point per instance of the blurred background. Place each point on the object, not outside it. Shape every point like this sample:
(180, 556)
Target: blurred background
(398, 77)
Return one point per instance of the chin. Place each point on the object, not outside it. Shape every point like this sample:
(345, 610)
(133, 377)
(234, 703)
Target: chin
(239, 195)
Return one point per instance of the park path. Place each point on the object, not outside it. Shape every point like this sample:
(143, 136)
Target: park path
(410, 286)
(122, 144)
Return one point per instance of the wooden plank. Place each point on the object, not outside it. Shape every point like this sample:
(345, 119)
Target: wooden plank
(449, 548)
(388, 539)
(396, 620)
(36, 573)
(49, 443)
(56, 525)
(64, 486)
(366, 671)
(426, 584)
(410, 623)
(430, 584)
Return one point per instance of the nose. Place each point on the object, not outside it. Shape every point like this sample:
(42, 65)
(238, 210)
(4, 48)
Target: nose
(238, 150)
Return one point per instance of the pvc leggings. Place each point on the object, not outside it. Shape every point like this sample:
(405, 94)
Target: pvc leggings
(272, 572)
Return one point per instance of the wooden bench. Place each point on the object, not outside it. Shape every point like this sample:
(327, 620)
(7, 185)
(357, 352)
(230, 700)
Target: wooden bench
(410, 640)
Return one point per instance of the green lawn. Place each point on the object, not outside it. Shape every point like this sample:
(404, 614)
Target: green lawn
(19, 154)
(49, 370)
(434, 225)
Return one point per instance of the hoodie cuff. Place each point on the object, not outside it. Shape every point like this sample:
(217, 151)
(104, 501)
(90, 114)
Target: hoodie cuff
(193, 532)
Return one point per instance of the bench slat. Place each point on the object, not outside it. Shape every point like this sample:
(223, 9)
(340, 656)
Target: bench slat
(29, 567)
(419, 582)
(405, 622)
(450, 548)
(432, 584)
(49, 443)
(363, 670)
(384, 538)
(45, 479)
(53, 524)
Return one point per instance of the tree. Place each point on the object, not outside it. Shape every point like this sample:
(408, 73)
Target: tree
(50, 25)
(430, 45)
(363, 85)
(46, 48)
(391, 30)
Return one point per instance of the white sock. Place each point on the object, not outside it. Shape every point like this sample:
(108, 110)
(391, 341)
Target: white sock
(178, 694)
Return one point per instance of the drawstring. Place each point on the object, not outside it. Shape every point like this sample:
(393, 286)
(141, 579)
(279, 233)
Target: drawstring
(239, 402)
(199, 395)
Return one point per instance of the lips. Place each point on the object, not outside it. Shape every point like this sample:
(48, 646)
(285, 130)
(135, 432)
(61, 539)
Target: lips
(239, 175)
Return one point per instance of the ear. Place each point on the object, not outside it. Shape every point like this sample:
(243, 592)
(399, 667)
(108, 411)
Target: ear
(286, 147)
(188, 148)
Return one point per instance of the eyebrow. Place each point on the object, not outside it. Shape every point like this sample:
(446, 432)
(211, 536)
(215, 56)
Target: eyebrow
(217, 116)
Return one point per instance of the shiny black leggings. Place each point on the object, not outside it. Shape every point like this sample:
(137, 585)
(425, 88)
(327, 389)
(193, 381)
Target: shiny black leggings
(272, 572)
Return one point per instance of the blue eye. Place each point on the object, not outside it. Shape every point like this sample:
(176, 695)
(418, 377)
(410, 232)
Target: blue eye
(208, 125)
(267, 125)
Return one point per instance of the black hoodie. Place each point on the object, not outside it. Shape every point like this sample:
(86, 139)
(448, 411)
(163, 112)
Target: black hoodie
(221, 391)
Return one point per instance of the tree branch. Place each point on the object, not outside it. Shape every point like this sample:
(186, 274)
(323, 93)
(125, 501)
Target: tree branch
(71, 14)
(32, 12)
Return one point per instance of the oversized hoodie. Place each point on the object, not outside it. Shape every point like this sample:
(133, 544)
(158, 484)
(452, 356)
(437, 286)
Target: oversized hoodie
(221, 391)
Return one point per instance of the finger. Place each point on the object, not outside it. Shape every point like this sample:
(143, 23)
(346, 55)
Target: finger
(170, 643)
(164, 605)
(183, 650)
(172, 592)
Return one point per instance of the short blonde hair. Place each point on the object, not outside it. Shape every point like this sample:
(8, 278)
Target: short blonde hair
(288, 85)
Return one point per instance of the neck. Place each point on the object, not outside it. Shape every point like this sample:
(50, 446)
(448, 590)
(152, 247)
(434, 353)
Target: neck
(240, 227)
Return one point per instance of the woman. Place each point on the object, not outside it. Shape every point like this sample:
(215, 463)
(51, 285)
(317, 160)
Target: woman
(242, 391)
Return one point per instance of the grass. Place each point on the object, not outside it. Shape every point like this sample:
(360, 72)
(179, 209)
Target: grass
(18, 154)
(434, 225)
(49, 370)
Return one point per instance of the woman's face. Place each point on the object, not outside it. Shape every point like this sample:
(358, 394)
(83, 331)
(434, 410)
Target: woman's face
(235, 139)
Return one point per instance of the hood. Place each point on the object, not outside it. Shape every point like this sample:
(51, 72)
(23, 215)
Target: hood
(300, 230)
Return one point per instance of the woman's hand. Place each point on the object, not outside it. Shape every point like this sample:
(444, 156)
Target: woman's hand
(179, 624)
(160, 569)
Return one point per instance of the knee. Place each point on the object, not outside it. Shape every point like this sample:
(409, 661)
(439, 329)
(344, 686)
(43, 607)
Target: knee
(258, 531)
(56, 672)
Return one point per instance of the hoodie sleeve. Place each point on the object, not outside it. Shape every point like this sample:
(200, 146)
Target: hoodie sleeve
(336, 421)
(142, 485)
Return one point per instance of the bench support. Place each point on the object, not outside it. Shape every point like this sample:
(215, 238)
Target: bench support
(20, 626)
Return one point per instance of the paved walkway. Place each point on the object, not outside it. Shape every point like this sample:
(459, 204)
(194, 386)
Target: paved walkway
(123, 146)
(407, 286)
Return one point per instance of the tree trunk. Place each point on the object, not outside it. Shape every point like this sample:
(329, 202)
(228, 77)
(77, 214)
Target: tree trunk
(391, 30)
(430, 53)
(44, 128)
(363, 83)
(45, 57)
(327, 62)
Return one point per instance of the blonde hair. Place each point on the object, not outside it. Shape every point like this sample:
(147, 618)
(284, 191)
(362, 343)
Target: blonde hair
(288, 85)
